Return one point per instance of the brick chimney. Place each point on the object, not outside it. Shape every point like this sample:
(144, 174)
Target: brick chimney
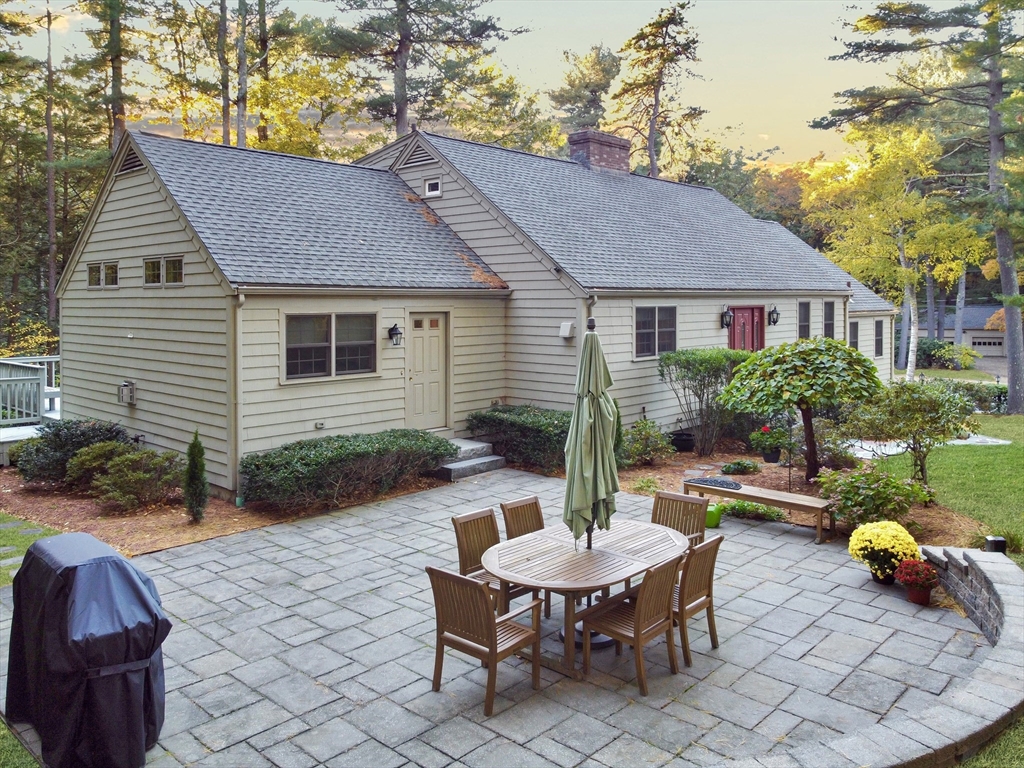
(599, 151)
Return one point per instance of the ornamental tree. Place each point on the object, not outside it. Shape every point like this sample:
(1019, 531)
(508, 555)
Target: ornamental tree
(921, 416)
(806, 374)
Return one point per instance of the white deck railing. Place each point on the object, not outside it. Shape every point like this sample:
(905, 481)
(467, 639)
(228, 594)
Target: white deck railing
(29, 387)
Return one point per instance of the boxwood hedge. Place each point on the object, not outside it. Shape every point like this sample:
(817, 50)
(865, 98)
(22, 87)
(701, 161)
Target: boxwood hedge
(327, 471)
(524, 434)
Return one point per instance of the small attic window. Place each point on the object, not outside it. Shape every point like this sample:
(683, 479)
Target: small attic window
(131, 162)
(432, 187)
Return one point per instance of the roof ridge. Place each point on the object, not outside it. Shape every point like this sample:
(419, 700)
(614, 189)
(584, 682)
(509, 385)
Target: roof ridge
(254, 150)
(557, 159)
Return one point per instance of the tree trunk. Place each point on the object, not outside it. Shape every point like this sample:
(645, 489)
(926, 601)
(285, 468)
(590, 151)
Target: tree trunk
(940, 314)
(242, 96)
(116, 53)
(262, 133)
(402, 67)
(811, 445)
(1014, 337)
(225, 74)
(909, 299)
(961, 297)
(51, 181)
(652, 134)
(901, 358)
(929, 299)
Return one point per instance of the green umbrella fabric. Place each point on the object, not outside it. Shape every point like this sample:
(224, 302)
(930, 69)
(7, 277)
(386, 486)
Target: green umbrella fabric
(591, 479)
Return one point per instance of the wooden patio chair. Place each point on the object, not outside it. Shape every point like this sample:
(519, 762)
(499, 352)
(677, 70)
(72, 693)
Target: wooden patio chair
(466, 622)
(637, 616)
(475, 533)
(524, 516)
(695, 592)
(686, 514)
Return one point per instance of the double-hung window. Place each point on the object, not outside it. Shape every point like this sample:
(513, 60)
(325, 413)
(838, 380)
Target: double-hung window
(310, 339)
(655, 330)
(829, 329)
(165, 271)
(879, 337)
(854, 340)
(102, 274)
(803, 328)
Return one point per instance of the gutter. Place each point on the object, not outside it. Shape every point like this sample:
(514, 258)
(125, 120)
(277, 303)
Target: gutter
(264, 290)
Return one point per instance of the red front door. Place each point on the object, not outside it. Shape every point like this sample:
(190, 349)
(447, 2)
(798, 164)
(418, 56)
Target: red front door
(747, 331)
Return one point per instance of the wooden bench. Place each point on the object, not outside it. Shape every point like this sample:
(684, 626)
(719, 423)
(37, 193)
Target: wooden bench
(783, 499)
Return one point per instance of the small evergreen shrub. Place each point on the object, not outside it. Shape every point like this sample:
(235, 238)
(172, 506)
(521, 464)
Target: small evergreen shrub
(326, 471)
(926, 352)
(46, 458)
(646, 443)
(91, 462)
(748, 510)
(139, 479)
(741, 467)
(524, 434)
(646, 486)
(870, 495)
(987, 398)
(14, 451)
(195, 487)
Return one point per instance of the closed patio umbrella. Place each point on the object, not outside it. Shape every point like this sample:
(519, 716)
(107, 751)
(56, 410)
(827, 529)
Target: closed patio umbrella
(591, 479)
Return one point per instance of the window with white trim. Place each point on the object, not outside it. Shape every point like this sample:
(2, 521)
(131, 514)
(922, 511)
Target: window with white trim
(879, 337)
(432, 187)
(102, 274)
(655, 330)
(310, 339)
(829, 324)
(854, 339)
(169, 270)
(803, 326)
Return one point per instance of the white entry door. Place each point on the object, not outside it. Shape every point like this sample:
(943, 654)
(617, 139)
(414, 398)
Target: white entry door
(427, 393)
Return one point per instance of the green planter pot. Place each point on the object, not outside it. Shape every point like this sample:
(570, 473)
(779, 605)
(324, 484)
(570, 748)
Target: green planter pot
(713, 518)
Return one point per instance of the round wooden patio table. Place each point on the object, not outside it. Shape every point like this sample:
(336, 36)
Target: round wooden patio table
(549, 559)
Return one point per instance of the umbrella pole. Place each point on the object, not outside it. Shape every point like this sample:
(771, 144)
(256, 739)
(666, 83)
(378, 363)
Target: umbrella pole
(590, 535)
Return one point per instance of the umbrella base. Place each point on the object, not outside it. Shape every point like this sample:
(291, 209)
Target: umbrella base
(597, 640)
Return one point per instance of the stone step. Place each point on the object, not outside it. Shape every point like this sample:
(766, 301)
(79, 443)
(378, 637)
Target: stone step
(458, 470)
(470, 449)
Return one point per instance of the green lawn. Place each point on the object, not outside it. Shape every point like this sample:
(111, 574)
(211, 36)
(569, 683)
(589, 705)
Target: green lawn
(12, 754)
(942, 373)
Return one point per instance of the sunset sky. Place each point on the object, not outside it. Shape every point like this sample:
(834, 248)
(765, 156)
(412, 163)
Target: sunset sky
(764, 62)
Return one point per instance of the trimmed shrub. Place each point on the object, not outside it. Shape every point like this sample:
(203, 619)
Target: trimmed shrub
(741, 467)
(646, 443)
(326, 471)
(195, 487)
(139, 479)
(524, 434)
(14, 451)
(870, 495)
(91, 462)
(47, 457)
(748, 510)
(987, 398)
(926, 351)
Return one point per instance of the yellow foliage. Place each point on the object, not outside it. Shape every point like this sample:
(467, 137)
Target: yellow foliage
(997, 322)
(30, 338)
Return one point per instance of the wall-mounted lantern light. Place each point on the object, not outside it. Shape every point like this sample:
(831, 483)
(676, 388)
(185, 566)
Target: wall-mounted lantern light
(773, 316)
(726, 317)
(395, 334)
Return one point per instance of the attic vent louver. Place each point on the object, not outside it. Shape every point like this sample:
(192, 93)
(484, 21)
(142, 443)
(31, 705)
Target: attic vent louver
(418, 156)
(131, 162)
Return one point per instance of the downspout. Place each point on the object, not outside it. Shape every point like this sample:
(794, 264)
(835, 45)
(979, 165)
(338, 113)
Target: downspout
(236, 398)
(846, 319)
(591, 301)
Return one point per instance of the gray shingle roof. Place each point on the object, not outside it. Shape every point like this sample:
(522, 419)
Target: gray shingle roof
(975, 316)
(866, 300)
(277, 220)
(621, 231)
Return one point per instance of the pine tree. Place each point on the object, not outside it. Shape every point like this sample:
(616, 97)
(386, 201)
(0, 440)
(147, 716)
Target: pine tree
(196, 488)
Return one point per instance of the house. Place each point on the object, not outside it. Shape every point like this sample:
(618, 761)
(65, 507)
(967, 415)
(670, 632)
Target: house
(985, 343)
(264, 298)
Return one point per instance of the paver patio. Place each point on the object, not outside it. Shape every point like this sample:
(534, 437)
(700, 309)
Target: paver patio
(312, 643)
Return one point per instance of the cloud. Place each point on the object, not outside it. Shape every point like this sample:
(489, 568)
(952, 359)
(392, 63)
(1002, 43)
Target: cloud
(763, 136)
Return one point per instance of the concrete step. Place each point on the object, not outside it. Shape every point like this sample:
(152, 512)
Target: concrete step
(458, 470)
(470, 449)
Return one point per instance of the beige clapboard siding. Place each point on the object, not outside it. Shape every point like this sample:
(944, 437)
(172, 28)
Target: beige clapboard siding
(275, 413)
(177, 353)
(540, 367)
(866, 334)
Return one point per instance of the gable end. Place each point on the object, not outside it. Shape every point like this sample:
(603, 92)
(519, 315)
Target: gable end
(131, 162)
(418, 156)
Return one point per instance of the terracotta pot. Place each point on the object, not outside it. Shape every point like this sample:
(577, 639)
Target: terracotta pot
(772, 457)
(890, 579)
(919, 595)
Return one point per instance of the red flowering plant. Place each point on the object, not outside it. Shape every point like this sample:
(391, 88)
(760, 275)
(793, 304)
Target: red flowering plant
(766, 439)
(917, 574)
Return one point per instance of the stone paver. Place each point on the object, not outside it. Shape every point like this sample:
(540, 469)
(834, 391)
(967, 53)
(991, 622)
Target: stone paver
(311, 643)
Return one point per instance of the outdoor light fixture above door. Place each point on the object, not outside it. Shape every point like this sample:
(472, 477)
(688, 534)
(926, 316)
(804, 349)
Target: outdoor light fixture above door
(773, 316)
(395, 334)
(726, 317)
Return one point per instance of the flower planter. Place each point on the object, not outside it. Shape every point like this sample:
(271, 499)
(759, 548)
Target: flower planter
(683, 441)
(772, 457)
(889, 579)
(919, 595)
(713, 517)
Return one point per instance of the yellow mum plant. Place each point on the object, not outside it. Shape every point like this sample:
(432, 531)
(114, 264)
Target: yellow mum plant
(883, 546)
